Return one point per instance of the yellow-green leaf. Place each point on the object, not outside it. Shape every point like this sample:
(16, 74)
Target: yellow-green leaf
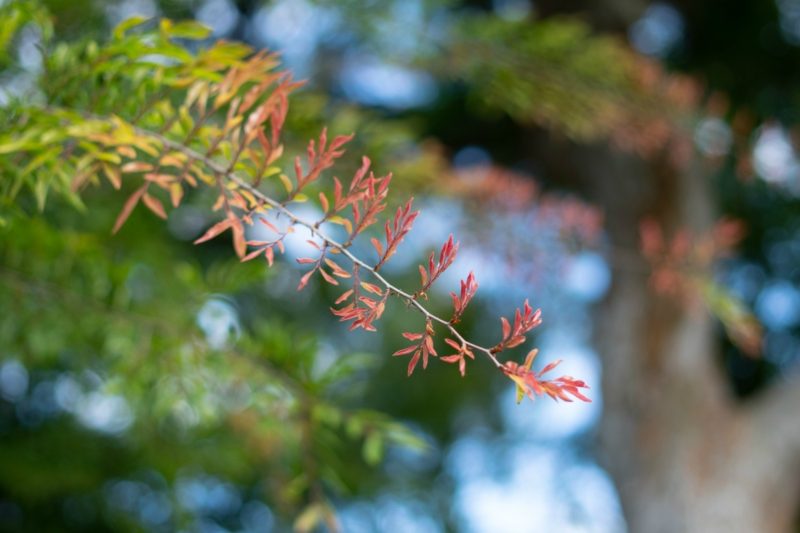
(127, 24)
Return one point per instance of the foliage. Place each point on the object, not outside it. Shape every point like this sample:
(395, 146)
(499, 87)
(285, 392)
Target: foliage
(681, 268)
(228, 79)
(558, 74)
(167, 117)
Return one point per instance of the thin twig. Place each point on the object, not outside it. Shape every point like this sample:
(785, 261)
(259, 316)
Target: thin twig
(221, 170)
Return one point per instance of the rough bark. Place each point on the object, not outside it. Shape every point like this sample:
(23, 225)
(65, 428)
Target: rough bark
(686, 455)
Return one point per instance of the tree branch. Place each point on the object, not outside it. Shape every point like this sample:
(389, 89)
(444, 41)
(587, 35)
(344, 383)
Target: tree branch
(223, 171)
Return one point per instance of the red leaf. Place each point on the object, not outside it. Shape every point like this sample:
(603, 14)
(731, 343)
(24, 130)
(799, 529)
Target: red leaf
(341, 140)
(514, 342)
(506, 327)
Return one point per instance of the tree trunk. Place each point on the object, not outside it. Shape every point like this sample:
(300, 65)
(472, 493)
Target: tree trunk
(685, 454)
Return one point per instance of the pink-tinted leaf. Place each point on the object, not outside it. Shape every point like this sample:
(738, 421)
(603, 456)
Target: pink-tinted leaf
(550, 367)
(404, 351)
(268, 224)
(413, 363)
(252, 255)
(304, 280)
(345, 295)
(454, 344)
(506, 327)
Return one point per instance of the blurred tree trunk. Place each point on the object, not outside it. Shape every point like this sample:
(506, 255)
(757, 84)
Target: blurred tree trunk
(685, 454)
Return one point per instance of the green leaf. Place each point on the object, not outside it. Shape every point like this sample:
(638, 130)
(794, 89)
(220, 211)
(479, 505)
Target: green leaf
(401, 435)
(310, 518)
(355, 426)
(127, 24)
(189, 30)
(40, 191)
(373, 448)
(327, 414)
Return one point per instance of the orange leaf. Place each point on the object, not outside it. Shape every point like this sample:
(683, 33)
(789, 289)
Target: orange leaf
(529, 359)
(215, 230)
(175, 194)
(345, 295)
(113, 176)
(239, 242)
(136, 166)
(330, 279)
(378, 246)
(337, 270)
(374, 289)
(130, 203)
(154, 205)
